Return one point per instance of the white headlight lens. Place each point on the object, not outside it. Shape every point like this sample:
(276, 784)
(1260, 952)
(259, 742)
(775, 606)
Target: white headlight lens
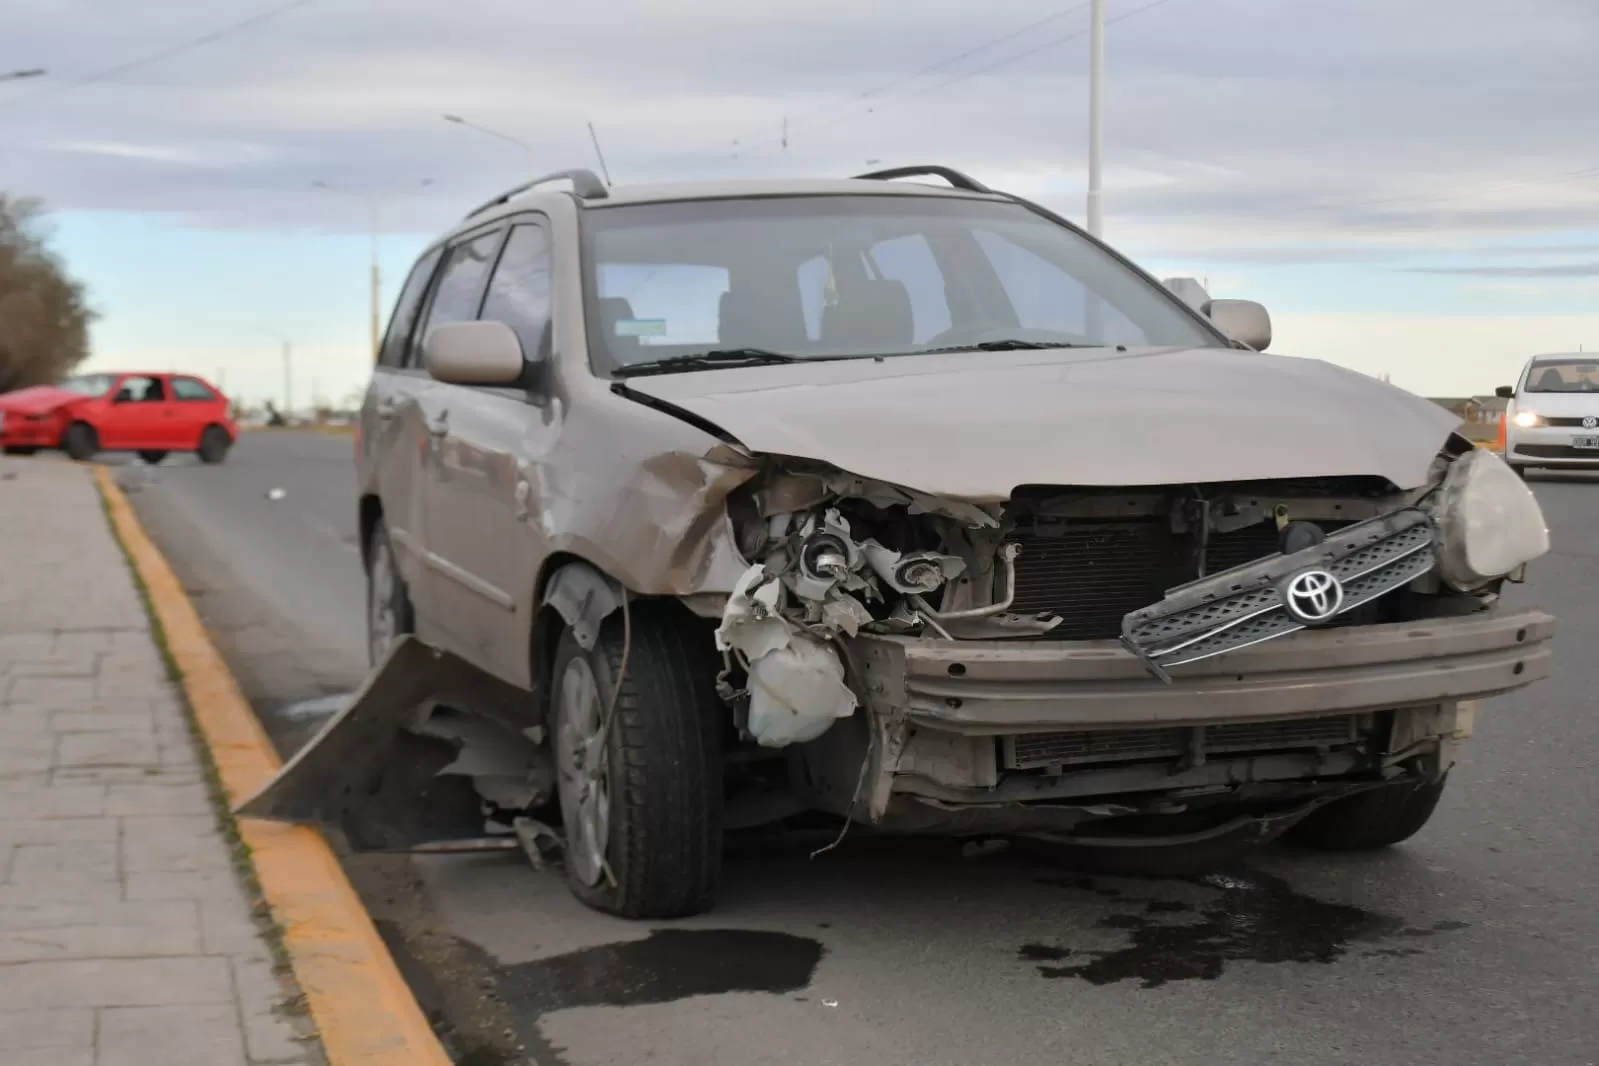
(1528, 419)
(1489, 522)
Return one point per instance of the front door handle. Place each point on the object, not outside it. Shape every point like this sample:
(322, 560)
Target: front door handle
(387, 409)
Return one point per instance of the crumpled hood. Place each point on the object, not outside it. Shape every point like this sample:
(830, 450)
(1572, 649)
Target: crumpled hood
(977, 425)
(38, 399)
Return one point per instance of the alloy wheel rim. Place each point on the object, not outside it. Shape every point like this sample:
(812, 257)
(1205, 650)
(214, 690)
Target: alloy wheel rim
(582, 776)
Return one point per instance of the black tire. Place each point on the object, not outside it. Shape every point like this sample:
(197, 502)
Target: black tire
(664, 841)
(21, 449)
(1521, 471)
(80, 442)
(151, 456)
(214, 445)
(1371, 820)
(385, 586)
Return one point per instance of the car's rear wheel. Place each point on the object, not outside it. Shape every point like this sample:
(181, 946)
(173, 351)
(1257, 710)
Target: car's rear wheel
(1370, 820)
(81, 442)
(389, 614)
(151, 456)
(641, 797)
(214, 445)
(21, 449)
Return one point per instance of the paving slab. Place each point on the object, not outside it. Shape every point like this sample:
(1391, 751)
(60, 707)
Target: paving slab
(126, 936)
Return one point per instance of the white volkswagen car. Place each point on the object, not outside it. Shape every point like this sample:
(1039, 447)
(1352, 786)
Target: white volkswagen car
(1553, 417)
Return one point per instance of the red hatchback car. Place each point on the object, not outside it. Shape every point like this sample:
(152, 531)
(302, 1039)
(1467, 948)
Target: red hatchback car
(149, 413)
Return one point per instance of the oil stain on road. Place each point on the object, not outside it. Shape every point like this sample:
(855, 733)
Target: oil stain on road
(1252, 917)
(667, 965)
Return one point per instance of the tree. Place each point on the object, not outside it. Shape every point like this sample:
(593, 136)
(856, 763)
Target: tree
(44, 316)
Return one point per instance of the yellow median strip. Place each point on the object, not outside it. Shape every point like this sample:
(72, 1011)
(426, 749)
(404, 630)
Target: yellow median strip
(363, 1009)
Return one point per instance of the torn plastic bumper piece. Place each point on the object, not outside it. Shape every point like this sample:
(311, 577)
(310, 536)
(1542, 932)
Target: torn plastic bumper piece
(380, 771)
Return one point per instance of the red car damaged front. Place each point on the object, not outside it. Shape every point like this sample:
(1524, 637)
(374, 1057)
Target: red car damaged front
(33, 418)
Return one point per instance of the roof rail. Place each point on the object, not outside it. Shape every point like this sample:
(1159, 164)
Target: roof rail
(585, 186)
(954, 177)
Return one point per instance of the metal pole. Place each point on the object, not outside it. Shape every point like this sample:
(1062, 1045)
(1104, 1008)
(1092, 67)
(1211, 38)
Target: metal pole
(377, 288)
(1096, 115)
(288, 380)
(605, 171)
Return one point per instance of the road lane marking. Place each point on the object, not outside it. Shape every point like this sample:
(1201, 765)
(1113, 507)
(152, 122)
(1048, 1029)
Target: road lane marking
(364, 1011)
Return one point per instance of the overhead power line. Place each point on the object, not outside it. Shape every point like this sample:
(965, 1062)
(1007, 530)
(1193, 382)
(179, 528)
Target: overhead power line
(886, 90)
(1053, 42)
(156, 57)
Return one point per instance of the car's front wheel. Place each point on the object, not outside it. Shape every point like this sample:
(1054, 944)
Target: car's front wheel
(389, 615)
(638, 763)
(1373, 819)
(81, 442)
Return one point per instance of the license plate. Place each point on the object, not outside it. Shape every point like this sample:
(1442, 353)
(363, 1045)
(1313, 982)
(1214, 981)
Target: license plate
(1585, 442)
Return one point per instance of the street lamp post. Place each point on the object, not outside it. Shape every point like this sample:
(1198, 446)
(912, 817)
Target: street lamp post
(1096, 114)
(372, 200)
(527, 149)
(288, 369)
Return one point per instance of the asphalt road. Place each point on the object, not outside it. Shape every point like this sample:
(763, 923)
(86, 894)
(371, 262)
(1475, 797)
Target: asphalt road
(1473, 943)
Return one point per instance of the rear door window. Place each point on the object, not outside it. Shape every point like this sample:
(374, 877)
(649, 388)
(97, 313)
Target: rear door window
(406, 308)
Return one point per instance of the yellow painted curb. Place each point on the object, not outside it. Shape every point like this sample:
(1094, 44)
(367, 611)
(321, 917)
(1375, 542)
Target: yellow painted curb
(363, 1009)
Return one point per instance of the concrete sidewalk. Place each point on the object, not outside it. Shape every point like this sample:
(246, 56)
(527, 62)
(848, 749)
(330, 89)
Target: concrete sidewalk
(126, 938)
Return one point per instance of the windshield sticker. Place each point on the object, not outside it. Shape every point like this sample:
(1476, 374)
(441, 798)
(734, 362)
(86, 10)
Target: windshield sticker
(641, 327)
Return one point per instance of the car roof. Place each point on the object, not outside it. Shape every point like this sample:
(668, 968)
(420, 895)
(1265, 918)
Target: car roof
(1549, 357)
(686, 191)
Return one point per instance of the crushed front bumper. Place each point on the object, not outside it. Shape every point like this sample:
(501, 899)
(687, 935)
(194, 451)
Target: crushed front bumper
(999, 687)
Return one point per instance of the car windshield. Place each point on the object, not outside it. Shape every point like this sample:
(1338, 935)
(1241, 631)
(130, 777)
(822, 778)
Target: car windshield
(1564, 375)
(824, 277)
(90, 384)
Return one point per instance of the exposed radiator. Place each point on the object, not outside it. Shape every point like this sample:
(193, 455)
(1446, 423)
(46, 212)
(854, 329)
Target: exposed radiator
(1093, 573)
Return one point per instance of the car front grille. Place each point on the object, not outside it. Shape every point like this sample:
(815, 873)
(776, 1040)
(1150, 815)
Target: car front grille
(1246, 605)
(1094, 573)
(1039, 750)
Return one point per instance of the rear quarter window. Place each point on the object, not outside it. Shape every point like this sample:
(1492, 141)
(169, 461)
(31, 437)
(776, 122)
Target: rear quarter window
(193, 391)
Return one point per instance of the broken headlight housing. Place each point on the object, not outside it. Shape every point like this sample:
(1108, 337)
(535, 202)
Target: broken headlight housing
(1489, 522)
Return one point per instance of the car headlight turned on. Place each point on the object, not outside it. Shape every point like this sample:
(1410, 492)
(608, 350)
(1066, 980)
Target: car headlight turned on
(1489, 522)
(1528, 419)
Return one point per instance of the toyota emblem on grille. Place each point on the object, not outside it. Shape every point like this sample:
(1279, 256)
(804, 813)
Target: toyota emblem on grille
(1312, 597)
(1590, 422)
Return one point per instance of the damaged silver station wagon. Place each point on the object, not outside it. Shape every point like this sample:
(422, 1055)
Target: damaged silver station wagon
(695, 508)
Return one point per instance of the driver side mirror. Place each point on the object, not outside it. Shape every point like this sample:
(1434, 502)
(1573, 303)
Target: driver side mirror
(1506, 392)
(474, 353)
(1242, 320)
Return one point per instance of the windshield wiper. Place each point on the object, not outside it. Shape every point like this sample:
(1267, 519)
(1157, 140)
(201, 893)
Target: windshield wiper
(721, 357)
(1006, 346)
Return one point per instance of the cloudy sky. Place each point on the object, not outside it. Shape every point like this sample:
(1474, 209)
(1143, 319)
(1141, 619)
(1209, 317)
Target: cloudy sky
(1412, 187)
